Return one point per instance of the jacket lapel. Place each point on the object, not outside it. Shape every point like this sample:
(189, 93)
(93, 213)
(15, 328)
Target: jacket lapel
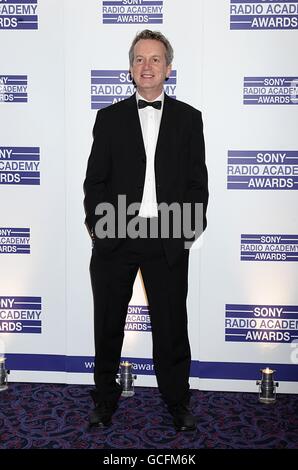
(133, 122)
(166, 131)
(167, 120)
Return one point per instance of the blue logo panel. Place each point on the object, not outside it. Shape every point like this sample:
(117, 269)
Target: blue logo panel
(262, 169)
(132, 11)
(270, 90)
(138, 319)
(14, 240)
(263, 14)
(13, 89)
(20, 165)
(18, 14)
(261, 323)
(20, 315)
(266, 247)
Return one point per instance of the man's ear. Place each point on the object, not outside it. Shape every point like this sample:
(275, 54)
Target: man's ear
(169, 70)
(131, 77)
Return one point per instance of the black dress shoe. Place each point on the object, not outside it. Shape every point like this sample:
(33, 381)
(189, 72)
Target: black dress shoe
(183, 419)
(102, 414)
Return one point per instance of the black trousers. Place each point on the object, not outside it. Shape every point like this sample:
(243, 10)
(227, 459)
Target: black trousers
(112, 278)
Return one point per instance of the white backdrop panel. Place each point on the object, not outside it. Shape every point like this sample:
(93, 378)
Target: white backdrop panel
(211, 62)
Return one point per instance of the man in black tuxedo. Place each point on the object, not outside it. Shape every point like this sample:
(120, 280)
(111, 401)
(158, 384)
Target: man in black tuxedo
(148, 148)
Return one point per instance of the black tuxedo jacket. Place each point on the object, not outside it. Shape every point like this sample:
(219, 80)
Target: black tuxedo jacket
(117, 163)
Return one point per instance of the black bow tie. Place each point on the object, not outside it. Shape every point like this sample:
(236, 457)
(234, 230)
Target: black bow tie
(155, 104)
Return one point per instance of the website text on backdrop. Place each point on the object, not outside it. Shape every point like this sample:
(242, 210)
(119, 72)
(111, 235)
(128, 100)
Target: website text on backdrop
(150, 157)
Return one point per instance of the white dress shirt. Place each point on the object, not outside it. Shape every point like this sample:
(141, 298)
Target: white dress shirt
(150, 122)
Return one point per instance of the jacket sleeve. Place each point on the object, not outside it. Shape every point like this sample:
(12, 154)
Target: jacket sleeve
(197, 176)
(97, 169)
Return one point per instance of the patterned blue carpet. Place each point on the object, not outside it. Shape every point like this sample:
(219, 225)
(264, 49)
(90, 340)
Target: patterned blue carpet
(55, 416)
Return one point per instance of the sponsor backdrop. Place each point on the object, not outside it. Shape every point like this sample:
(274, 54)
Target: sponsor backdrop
(235, 61)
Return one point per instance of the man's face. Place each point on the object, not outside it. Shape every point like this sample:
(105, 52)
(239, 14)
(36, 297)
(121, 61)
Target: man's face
(149, 69)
